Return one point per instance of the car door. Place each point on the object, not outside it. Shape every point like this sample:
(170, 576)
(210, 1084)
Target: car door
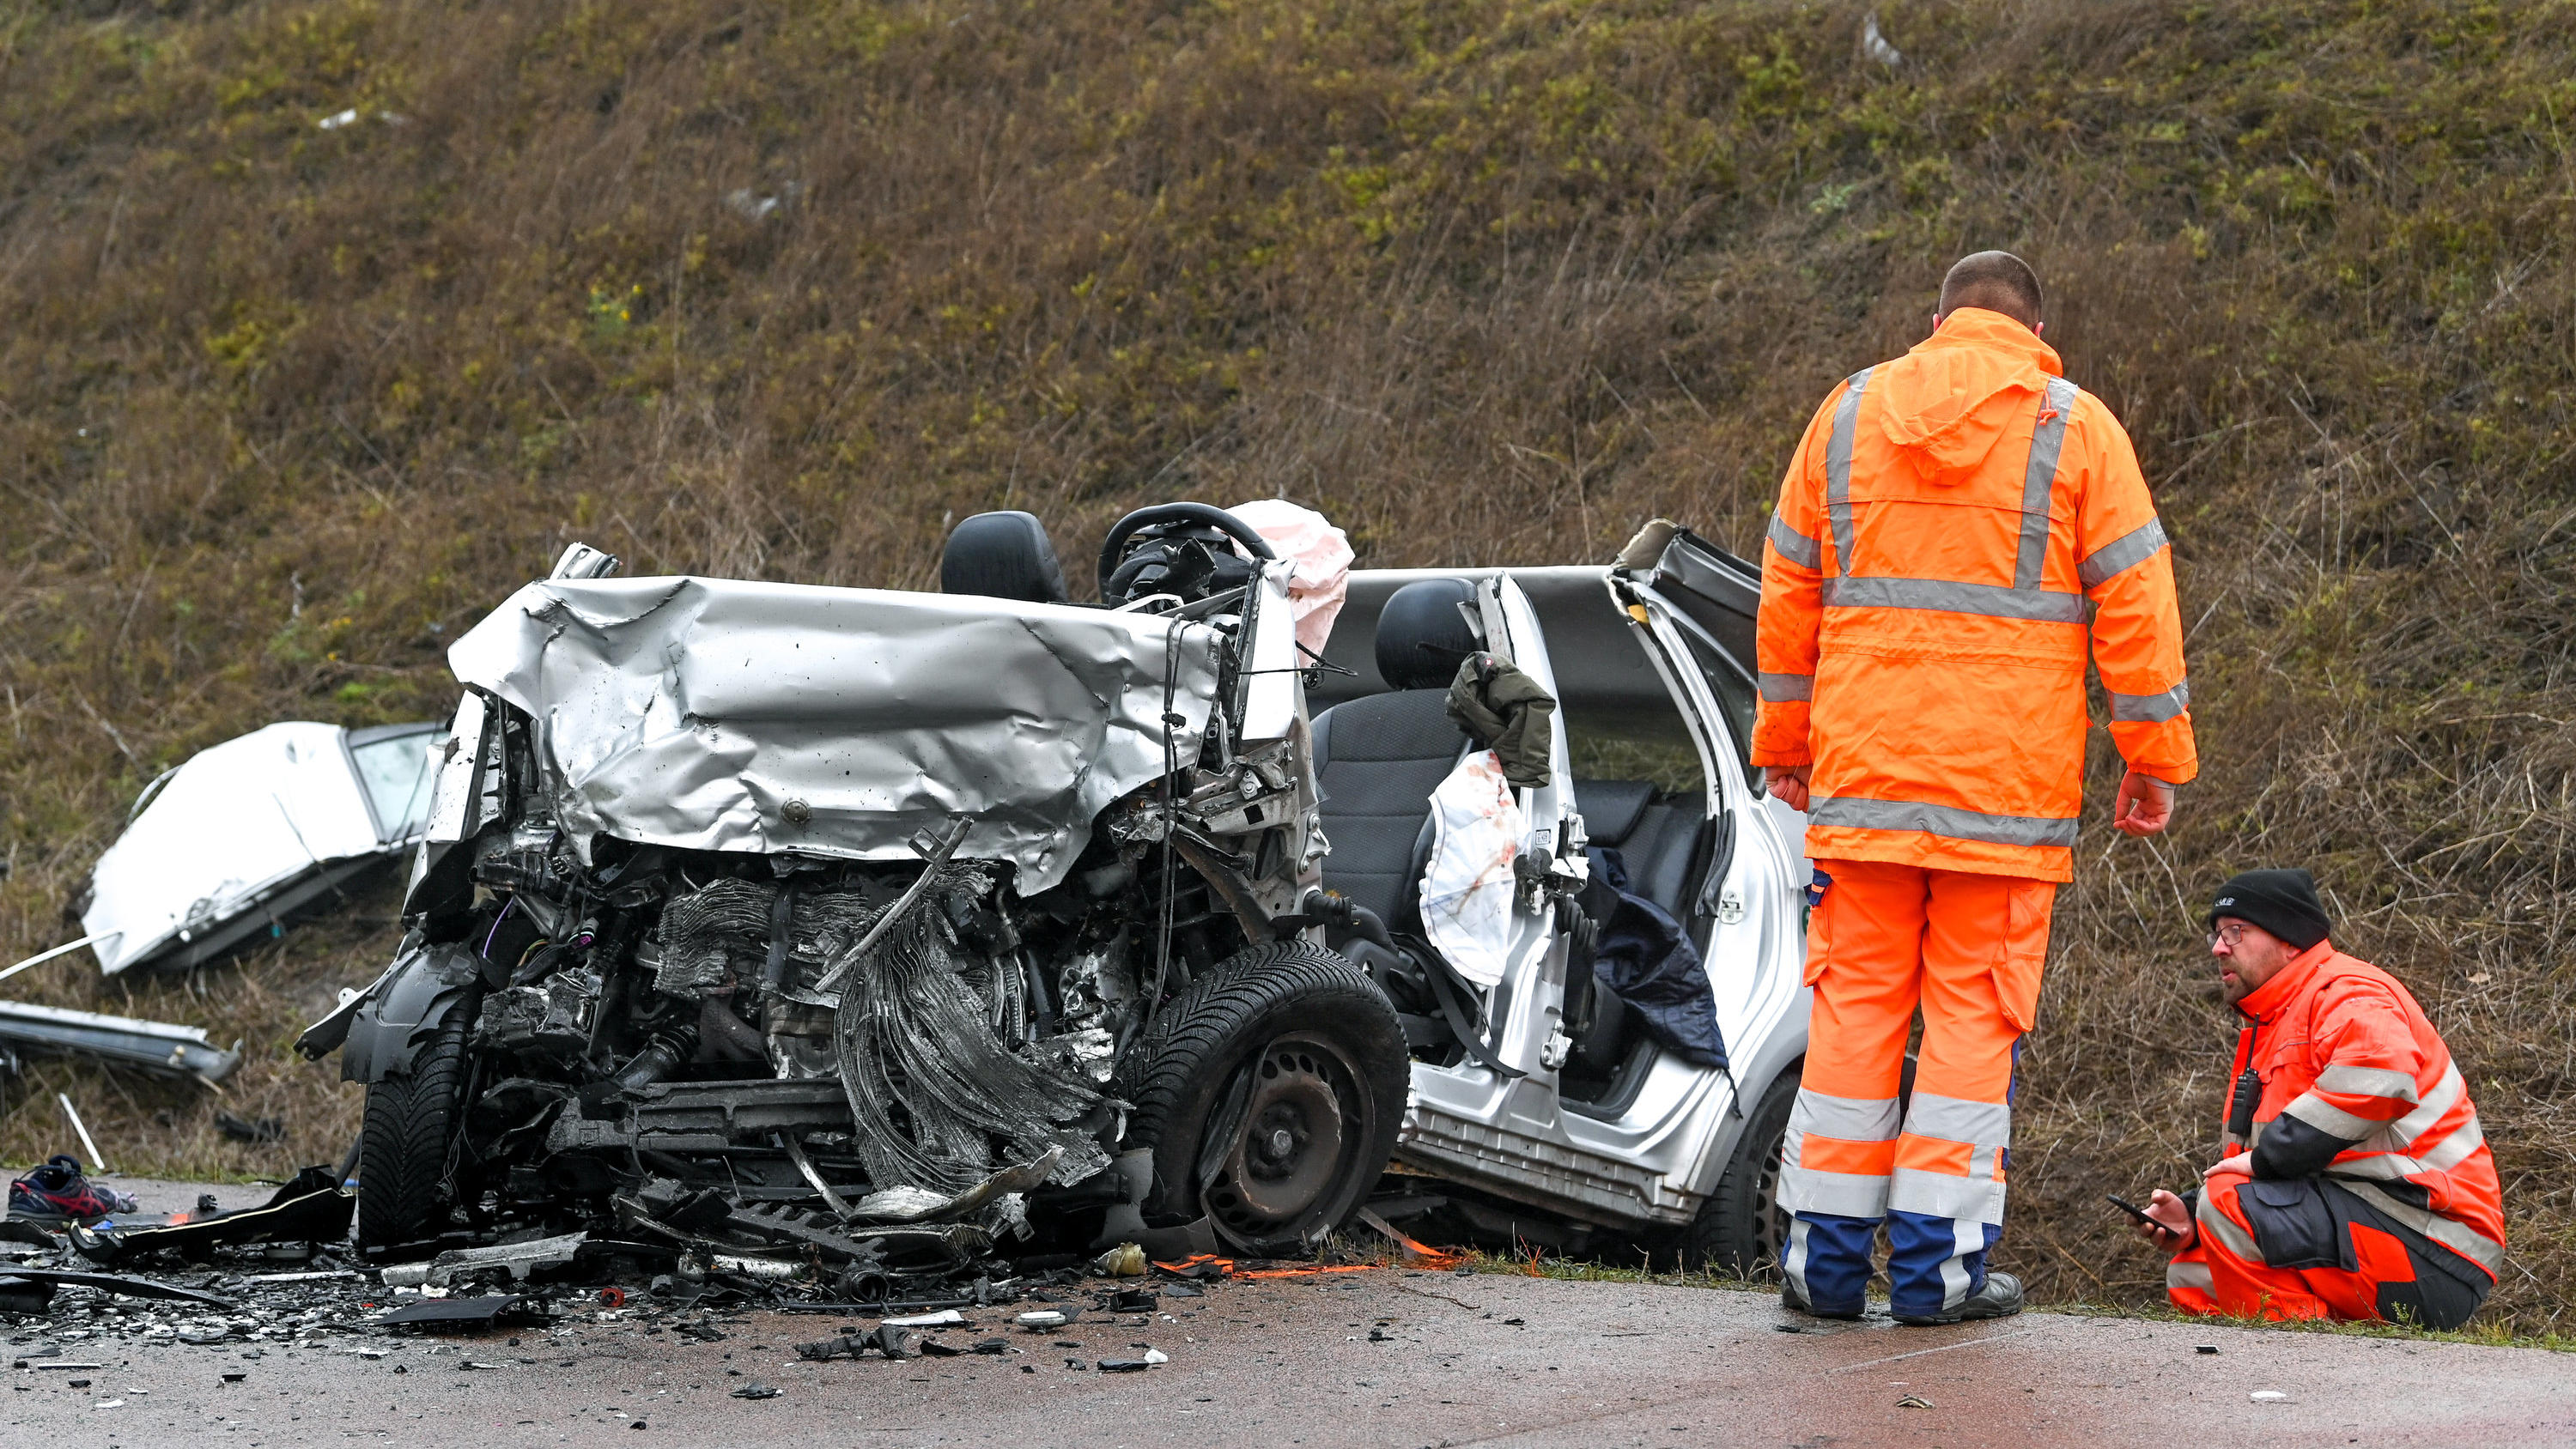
(1693, 610)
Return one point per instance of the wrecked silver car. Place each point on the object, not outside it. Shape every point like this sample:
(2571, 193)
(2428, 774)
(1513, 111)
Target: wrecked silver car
(983, 919)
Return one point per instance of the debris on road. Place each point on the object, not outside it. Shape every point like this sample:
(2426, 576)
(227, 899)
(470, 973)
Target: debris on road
(755, 1390)
(438, 1314)
(313, 1207)
(158, 1047)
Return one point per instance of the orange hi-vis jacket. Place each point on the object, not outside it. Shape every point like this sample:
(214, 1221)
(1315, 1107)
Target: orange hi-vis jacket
(1925, 591)
(2358, 1087)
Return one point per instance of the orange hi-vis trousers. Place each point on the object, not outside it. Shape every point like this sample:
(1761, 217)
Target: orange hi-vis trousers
(1967, 949)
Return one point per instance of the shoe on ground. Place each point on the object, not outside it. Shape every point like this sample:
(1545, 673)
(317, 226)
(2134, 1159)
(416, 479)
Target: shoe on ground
(1795, 1300)
(57, 1192)
(2001, 1297)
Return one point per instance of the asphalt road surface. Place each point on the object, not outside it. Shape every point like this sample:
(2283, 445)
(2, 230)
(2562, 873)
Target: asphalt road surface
(1385, 1357)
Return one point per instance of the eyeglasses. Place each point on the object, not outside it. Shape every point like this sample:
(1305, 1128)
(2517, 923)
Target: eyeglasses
(2233, 933)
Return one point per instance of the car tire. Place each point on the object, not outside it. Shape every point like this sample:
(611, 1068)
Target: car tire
(406, 1139)
(1741, 1228)
(1270, 1090)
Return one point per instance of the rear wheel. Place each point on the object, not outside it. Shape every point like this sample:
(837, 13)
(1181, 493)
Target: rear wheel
(1741, 1228)
(404, 1146)
(1270, 1090)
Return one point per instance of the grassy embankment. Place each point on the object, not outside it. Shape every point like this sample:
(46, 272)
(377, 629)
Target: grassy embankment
(283, 408)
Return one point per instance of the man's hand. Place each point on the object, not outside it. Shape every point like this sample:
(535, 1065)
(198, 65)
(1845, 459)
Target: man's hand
(1789, 783)
(2242, 1164)
(2144, 805)
(2174, 1229)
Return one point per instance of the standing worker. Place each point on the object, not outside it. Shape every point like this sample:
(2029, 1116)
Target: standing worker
(2355, 1182)
(1944, 524)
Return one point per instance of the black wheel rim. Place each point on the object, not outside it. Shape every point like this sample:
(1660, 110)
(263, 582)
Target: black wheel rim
(1288, 1166)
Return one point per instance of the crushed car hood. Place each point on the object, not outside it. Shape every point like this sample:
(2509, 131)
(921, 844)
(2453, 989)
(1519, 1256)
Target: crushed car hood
(713, 714)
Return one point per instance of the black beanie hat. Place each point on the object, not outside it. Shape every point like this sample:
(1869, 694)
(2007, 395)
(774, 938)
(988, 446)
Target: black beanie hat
(2283, 902)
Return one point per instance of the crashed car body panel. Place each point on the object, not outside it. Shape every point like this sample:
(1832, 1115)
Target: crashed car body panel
(713, 714)
(1645, 1143)
(298, 807)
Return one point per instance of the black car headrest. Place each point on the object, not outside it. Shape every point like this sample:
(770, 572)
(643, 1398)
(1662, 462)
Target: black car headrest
(1002, 556)
(1423, 633)
(1612, 808)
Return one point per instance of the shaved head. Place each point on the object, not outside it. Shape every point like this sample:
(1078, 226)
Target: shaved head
(1996, 281)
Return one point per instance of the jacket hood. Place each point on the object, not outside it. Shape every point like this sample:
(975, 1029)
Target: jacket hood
(1950, 400)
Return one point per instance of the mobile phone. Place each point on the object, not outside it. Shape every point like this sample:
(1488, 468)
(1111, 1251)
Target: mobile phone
(2135, 1211)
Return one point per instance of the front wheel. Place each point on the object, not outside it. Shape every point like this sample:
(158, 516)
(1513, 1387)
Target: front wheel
(405, 1142)
(1270, 1090)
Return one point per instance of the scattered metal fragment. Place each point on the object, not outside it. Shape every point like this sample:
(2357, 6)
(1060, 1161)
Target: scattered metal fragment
(1914, 1401)
(439, 1313)
(112, 1283)
(755, 1390)
(518, 1259)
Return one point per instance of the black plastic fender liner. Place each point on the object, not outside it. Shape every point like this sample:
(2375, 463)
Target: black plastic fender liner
(407, 1010)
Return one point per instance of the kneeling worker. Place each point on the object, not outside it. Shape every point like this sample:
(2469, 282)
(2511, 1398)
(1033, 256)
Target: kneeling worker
(2357, 1185)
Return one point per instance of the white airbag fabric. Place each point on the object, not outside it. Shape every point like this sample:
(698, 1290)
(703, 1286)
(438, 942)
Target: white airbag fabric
(1467, 889)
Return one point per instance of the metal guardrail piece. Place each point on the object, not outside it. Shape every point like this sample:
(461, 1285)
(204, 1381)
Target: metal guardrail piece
(156, 1046)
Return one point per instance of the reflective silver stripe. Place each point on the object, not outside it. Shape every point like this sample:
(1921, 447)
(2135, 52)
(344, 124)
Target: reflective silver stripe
(2401, 1134)
(2330, 1119)
(1991, 600)
(1838, 454)
(2121, 554)
(2216, 1224)
(1843, 1194)
(2369, 1082)
(2039, 481)
(1794, 546)
(2151, 708)
(1846, 1119)
(2388, 1164)
(2459, 1237)
(1955, 1119)
(2181, 1273)
(1940, 1195)
(1853, 812)
(1966, 1236)
(2456, 1148)
(1781, 688)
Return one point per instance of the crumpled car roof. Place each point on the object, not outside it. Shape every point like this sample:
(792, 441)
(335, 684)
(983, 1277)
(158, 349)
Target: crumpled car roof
(717, 714)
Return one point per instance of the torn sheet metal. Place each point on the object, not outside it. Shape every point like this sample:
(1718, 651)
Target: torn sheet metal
(714, 714)
(298, 807)
(156, 1046)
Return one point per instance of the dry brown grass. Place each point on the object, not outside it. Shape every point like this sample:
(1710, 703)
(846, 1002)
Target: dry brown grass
(282, 409)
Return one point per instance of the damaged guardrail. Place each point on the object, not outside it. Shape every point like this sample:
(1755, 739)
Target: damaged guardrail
(155, 1046)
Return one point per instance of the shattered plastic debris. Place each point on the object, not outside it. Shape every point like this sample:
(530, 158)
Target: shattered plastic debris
(1914, 1401)
(313, 1207)
(518, 1259)
(755, 1390)
(443, 1313)
(2268, 1396)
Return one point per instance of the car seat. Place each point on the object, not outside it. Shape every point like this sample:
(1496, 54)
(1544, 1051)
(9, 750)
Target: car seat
(1379, 757)
(1002, 555)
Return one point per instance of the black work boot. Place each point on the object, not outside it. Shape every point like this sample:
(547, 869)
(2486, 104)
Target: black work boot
(2000, 1298)
(1795, 1301)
